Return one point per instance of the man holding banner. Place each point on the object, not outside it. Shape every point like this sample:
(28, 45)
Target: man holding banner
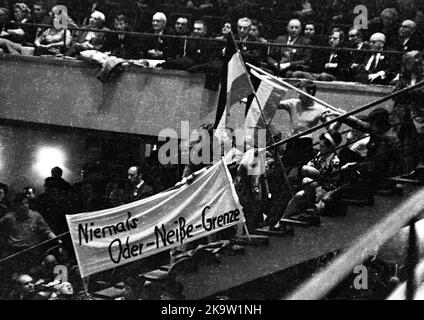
(116, 237)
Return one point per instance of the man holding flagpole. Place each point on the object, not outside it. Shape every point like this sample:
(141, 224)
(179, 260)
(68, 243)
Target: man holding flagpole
(304, 114)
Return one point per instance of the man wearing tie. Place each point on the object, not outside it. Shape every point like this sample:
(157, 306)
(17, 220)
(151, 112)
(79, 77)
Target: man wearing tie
(285, 60)
(377, 67)
(139, 189)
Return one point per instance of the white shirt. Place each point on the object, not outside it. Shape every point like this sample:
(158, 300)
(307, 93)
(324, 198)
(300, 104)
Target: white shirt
(374, 57)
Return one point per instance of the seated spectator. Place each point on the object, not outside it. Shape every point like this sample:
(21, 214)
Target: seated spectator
(256, 31)
(178, 46)
(157, 48)
(24, 228)
(319, 183)
(383, 157)
(22, 14)
(356, 41)
(226, 30)
(200, 51)
(90, 40)
(409, 40)
(122, 45)
(388, 24)
(377, 68)
(39, 16)
(311, 35)
(286, 60)
(334, 64)
(4, 202)
(251, 53)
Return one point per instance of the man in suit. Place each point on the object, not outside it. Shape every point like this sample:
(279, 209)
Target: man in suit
(157, 48)
(356, 41)
(90, 40)
(139, 189)
(331, 65)
(285, 60)
(251, 53)
(377, 68)
(178, 46)
(122, 45)
(409, 40)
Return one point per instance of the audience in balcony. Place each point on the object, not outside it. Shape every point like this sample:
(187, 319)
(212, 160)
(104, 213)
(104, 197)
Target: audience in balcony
(258, 25)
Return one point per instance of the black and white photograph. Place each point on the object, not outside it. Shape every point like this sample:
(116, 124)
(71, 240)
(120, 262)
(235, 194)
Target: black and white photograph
(211, 155)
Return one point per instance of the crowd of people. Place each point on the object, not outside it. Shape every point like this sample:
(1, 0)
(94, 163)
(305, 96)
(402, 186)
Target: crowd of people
(380, 145)
(275, 26)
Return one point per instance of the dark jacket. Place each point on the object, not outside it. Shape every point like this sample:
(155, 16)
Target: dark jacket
(251, 53)
(145, 191)
(158, 43)
(127, 48)
(299, 58)
(385, 63)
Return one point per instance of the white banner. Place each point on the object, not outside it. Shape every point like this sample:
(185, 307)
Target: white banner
(111, 238)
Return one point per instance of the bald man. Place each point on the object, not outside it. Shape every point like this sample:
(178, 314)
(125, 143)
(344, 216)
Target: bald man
(285, 60)
(377, 68)
(138, 188)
